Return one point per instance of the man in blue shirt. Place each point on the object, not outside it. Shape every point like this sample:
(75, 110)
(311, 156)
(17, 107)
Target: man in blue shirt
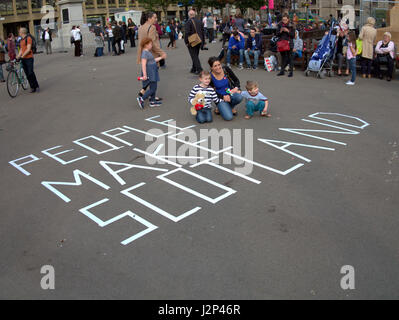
(253, 47)
(236, 47)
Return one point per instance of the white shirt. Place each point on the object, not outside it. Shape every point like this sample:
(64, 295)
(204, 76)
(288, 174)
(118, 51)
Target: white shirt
(76, 34)
(46, 35)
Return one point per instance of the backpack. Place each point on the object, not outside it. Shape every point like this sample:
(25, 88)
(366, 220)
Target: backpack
(34, 44)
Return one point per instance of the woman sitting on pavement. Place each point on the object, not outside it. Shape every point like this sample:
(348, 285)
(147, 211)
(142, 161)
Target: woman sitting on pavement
(227, 87)
(385, 54)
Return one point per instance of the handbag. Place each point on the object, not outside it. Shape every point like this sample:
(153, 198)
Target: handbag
(194, 39)
(283, 45)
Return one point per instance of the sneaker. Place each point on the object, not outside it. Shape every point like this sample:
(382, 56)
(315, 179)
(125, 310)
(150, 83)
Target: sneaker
(290, 74)
(140, 101)
(240, 67)
(248, 68)
(254, 67)
(350, 83)
(228, 65)
(281, 73)
(155, 104)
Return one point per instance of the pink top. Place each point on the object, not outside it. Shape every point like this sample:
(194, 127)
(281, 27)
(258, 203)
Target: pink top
(349, 54)
(390, 49)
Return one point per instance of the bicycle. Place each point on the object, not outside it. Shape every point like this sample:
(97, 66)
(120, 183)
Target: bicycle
(16, 78)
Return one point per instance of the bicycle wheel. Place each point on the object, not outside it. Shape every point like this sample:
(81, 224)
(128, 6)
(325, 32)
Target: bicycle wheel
(12, 84)
(24, 80)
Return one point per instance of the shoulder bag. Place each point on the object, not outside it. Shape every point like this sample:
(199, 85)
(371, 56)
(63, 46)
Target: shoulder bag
(194, 39)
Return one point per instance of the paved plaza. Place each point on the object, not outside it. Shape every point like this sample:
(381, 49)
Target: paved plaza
(314, 202)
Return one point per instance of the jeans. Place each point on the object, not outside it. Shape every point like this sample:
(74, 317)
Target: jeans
(225, 107)
(204, 115)
(1, 72)
(252, 107)
(254, 53)
(352, 68)
(151, 92)
(99, 52)
(111, 45)
(235, 52)
(297, 54)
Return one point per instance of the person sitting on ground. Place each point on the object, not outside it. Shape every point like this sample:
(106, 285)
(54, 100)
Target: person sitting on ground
(227, 87)
(236, 47)
(253, 47)
(385, 54)
(204, 113)
(255, 101)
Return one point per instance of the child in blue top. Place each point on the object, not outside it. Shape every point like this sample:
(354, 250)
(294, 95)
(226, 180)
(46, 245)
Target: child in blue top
(255, 101)
(149, 72)
(236, 47)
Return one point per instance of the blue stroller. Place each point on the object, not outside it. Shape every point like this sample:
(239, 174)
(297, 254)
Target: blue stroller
(321, 61)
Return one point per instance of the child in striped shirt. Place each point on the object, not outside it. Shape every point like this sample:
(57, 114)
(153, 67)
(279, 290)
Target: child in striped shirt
(205, 113)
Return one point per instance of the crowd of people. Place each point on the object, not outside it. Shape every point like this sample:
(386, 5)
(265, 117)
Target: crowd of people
(220, 85)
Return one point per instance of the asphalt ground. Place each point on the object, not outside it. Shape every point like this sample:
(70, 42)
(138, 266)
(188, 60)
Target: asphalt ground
(285, 238)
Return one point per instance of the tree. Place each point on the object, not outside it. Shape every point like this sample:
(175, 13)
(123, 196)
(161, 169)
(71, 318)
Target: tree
(243, 5)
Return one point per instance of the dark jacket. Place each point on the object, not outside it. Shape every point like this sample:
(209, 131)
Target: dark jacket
(44, 33)
(190, 30)
(117, 32)
(258, 39)
(233, 80)
(286, 35)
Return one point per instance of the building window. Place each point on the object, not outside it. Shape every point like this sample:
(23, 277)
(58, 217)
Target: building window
(314, 2)
(36, 5)
(122, 3)
(65, 16)
(101, 3)
(22, 6)
(339, 1)
(6, 8)
(89, 3)
(111, 3)
(357, 2)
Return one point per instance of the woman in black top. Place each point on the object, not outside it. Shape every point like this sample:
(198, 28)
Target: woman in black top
(286, 32)
(131, 32)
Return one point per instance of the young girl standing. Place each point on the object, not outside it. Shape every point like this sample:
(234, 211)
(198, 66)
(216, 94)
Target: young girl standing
(351, 57)
(149, 73)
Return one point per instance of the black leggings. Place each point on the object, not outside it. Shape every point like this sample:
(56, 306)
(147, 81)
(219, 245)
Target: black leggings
(171, 39)
(287, 60)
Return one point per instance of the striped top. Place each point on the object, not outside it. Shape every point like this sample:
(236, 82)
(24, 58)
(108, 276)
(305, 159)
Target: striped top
(209, 92)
